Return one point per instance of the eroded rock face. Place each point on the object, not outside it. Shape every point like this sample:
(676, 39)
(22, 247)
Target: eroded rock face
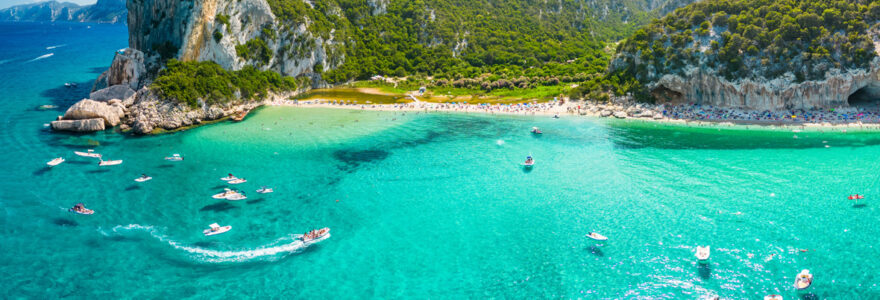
(90, 109)
(149, 112)
(121, 92)
(87, 125)
(127, 69)
(700, 86)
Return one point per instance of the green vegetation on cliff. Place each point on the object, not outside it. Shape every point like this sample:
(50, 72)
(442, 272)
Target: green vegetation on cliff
(187, 82)
(754, 39)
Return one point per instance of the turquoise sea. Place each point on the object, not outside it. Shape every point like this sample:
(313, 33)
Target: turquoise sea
(420, 205)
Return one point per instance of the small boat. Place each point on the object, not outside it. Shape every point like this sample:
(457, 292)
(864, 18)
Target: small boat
(55, 162)
(109, 162)
(47, 107)
(225, 194)
(597, 236)
(535, 130)
(236, 197)
(237, 181)
(229, 178)
(91, 153)
(529, 162)
(70, 84)
(316, 235)
(216, 229)
(265, 190)
(702, 254)
(856, 197)
(803, 280)
(773, 297)
(81, 209)
(143, 178)
(174, 157)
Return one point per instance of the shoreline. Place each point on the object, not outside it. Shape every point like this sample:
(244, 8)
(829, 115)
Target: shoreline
(570, 109)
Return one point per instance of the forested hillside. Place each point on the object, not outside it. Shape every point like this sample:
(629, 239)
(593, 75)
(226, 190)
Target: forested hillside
(755, 39)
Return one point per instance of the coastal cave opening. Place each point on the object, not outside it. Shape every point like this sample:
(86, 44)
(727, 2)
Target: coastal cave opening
(662, 94)
(865, 98)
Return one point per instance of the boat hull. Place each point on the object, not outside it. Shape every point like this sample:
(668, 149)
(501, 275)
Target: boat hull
(223, 229)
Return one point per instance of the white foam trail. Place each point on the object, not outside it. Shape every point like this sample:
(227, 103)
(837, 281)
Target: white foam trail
(56, 46)
(269, 252)
(41, 57)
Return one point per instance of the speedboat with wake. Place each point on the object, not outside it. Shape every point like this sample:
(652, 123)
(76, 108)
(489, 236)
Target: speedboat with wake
(143, 178)
(265, 190)
(91, 153)
(535, 130)
(702, 254)
(225, 194)
(81, 209)
(596, 236)
(174, 157)
(315, 236)
(55, 162)
(803, 280)
(237, 181)
(109, 162)
(216, 229)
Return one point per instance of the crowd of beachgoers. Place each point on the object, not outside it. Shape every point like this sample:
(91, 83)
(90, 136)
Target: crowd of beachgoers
(849, 116)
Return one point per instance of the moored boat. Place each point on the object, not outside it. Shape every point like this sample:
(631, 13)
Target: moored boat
(773, 297)
(703, 254)
(236, 197)
(216, 229)
(55, 162)
(229, 177)
(803, 280)
(91, 153)
(225, 194)
(109, 162)
(596, 236)
(316, 235)
(237, 181)
(174, 157)
(143, 178)
(535, 130)
(529, 162)
(265, 190)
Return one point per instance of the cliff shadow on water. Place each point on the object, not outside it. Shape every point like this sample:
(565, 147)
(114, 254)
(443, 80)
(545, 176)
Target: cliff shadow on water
(637, 135)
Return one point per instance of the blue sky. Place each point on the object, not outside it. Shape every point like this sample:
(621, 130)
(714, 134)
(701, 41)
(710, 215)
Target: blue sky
(8, 3)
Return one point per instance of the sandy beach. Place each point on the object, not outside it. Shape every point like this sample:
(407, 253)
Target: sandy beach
(587, 109)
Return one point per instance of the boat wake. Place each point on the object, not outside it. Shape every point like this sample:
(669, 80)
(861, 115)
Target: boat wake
(56, 46)
(279, 249)
(41, 57)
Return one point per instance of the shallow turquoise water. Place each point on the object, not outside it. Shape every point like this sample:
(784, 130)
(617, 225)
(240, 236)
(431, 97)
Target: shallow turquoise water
(421, 206)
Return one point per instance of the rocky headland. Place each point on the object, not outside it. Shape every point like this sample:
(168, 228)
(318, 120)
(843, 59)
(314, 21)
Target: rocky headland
(103, 11)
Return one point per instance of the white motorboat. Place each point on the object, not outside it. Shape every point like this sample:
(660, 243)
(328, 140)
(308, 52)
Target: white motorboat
(91, 153)
(55, 162)
(174, 157)
(803, 280)
(143, 178)
(109, 162)
(70, 84)
(225, 194)
(237, 181)
(597, 236)
(702, 254)
(265, 190)
(216, 229)
(236, 197)
(535, 130)
(229, 178)
(773, 297)
(79, 208)
(529, 162)
(316, 235)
